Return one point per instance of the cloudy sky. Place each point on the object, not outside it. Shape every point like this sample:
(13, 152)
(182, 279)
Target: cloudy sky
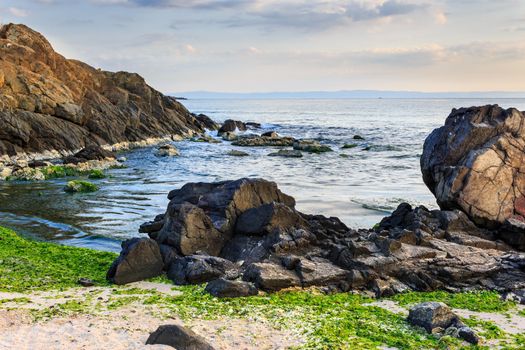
(291, 45)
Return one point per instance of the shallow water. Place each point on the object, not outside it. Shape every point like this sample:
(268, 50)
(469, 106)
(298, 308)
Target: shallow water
(359, 188)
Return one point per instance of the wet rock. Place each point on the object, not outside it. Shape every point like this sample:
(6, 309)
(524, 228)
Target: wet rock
(222, 288)
(271, 134)
(195, 269)
(231, 126)
(206, 122)
(139, 259)
(229, 136)
(358, 137)
(475, 162)
(263, 141)
(431, 315)
(266, 218)
(179, 338)
(468, 334)
(253, 125)
(236, 153)
(89, 153)
(204, 139)
(79, 186)
(287, 153)
(167, 151)
(310, 146)
(349, 145)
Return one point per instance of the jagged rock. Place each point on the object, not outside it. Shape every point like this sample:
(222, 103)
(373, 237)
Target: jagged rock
(206, 122)
(263, 141)
(431, 315)
(89, 153)
(167, 151)
(310, 146)
(179, 338)
(139, 259)
(48, 102)
(266, 218)
(231, 126)
(196, 269)
(222, 288)
(475, 162)
(271, 277)
(287, 153)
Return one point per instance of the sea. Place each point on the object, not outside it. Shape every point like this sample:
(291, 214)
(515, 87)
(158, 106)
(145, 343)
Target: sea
(360, 185)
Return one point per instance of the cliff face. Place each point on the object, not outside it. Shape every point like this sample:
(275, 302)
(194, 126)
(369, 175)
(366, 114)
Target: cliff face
(48, 102)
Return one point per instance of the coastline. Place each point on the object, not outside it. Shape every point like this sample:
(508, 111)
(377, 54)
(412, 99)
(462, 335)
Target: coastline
(51, 305)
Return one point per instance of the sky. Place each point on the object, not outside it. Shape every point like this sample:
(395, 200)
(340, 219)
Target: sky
(291, 45)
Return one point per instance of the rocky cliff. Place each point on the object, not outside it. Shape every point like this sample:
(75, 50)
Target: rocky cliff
(50, 103)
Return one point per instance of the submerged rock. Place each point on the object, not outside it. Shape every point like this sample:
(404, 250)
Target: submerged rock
(236, 153)
(179, 338)
(310, 146)
(80, 187)
(139, 259)
(167, 151)
(287, 153)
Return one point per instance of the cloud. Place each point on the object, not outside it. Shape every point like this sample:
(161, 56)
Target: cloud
(17, 12)
(440, 17)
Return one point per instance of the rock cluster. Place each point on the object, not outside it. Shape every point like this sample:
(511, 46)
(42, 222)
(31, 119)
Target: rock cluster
(248, 231)
(52, 104)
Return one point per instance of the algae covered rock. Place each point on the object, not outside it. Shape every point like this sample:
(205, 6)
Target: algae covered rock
(80, 186)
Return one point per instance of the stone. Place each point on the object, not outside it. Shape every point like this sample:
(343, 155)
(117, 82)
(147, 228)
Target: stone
(430, 315)
(196, 269)
(85, 282)
(231, 126)
(475, 162)
(206, 122)
(79, 186)
(468, 334)
(222, 288)
(286, 153)
(253, 125)
(52, 104)
(271, 134)
(310, 146)
(229, 136)
(266, 218)
(139, 259)
(263, 141)
(271, 277)
(89, 153)
(358, 137)
(167, 151)
(179, 338)
(236, 153)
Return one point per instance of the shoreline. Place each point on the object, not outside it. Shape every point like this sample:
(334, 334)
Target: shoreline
(121, 317)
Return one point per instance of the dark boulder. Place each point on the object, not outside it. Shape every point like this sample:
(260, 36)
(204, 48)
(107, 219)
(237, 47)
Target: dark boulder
(268, 217)
(206, 122)
(179, 338)
(139, 259)
(231, 126)
(271, 277)
(222, 288)
(431, 315)
(196, 269)
(89, 153)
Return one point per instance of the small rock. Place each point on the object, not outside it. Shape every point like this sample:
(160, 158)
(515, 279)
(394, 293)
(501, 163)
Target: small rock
(358, 137)
(349, 145)
(222, 288)
(287, 153)
(468, 334)
(167, 151)
(179, 338)
(271, 134)
(229, 136)
(311, 146)
(430, 315)
(86, 282)
(80, 187)
(236, 153)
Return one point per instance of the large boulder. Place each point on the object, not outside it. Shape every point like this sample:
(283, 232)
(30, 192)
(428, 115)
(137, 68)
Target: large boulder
(139, 259)
(476, 163)
(231, 126)
(202, 216)
(178, 337)
(431, 315)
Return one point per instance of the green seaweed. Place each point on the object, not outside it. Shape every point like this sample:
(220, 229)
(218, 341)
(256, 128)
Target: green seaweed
(80, 186)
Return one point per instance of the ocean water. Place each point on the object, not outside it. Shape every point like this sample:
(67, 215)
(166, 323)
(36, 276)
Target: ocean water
(359, 185)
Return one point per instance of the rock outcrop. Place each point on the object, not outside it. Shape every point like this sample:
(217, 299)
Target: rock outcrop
(249, 230)
(50, 103)
(476, 163)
